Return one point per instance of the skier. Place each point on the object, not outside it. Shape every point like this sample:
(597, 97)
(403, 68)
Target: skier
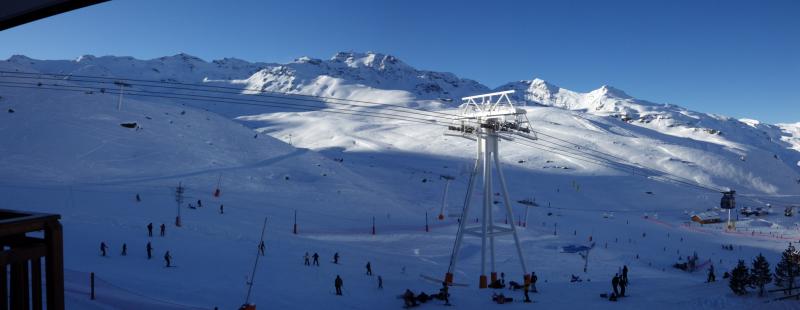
(261, 248)
(221, 209)
(711, 276)
(625, 273)
(338, 284)
(149, 250)
(124, 249)
(163, 229)
(150, 230)
(316, 258)
(138, 199)
(622, 284)
(444, 292)
(336, 258)
(534, 278)
(615, 283)
(103, 248)
(525, 290)
(306, 260)
(168, 259)
(369, 269)
(380, 282)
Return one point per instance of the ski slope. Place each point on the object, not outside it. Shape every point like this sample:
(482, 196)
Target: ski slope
(65, 152)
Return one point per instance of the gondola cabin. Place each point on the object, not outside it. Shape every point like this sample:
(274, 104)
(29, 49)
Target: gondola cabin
(728, 200)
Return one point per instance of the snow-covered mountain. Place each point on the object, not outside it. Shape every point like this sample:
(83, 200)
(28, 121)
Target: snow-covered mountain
(66, 152)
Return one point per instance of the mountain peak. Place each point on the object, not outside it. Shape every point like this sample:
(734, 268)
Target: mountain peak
(86, 57)
(368, 59)
(611, 91)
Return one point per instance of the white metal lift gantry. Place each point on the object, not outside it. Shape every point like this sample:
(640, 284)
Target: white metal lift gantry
(483, 118)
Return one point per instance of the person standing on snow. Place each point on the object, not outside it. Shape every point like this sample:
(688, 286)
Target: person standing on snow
(369, 269)
(625, 273)
(622, 284)
(199, 203)
(221, 209)
(336, 258)
(150, 230)
(711, 276)
(163, 229)
(103, 248)
(615, 283)
(124, 249)
(168, 259)
(338, 284)
(534, 278)
(380, 282)
(445, 292)
(316, 258)
(261, 248)
(306, 260)
(149, 250)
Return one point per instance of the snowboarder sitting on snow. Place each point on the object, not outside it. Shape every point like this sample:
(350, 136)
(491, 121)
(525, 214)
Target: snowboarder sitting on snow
(574, 278)
(501, 299)
(615, 284)
(423, 298)
(497, 284)
(408, 299)
(514, 285)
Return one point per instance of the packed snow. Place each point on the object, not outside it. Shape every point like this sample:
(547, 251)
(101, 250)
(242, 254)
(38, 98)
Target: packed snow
(67, 153)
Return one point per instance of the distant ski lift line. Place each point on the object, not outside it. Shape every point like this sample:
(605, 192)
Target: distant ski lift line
(351, 112)
(412, 111)
(250, 102)
(201, 86)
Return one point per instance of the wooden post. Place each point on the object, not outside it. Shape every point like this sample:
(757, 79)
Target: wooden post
(36, 283)
(54, 266)
(3, 287)
(426, 222)
(294, 230)
(91, 284)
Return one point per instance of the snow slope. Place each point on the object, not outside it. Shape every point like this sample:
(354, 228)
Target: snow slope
(66, 152)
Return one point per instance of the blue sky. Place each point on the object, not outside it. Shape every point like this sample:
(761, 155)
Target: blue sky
(737, 58)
